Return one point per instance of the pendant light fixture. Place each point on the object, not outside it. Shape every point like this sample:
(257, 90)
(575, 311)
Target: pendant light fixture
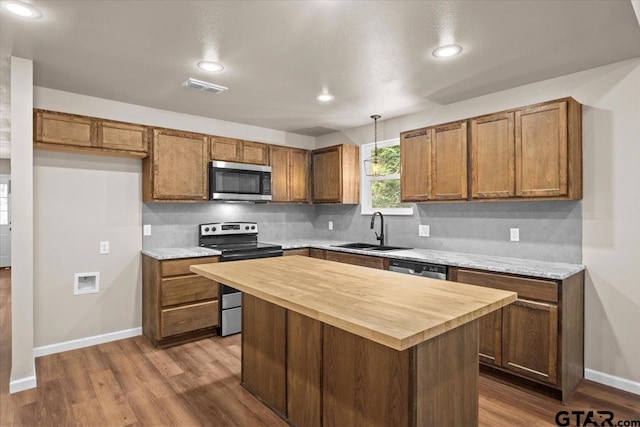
(374, 165)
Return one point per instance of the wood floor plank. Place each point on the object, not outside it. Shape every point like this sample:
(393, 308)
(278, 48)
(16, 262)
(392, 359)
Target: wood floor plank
(130, 383)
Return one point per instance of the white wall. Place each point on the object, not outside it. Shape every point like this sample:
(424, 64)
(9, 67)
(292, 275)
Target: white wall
(22, 366)
(611, 204)
(80, 200)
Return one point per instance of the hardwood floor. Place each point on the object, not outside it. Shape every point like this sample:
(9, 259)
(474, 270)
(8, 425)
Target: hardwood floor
(129, 383)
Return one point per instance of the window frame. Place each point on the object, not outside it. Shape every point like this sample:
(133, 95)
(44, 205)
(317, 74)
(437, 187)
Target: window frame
(366, 207)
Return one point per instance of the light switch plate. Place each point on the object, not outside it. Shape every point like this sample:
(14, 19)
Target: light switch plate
(514, 234)
(104, 247)
(330, 225)
(423, 230)
(146, 230)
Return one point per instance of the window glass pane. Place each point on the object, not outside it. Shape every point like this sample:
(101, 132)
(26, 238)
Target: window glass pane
(391, 158)
(4, 218)
(4, 190)
(386, 194)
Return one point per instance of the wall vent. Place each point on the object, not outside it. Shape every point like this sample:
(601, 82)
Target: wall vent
(204, 86)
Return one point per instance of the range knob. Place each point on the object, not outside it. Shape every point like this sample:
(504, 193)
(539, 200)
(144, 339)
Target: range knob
(213, 229)
(246, 227)
(253, 227)
(206, 229)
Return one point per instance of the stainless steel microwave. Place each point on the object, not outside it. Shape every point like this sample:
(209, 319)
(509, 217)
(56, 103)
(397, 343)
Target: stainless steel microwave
(239, 181)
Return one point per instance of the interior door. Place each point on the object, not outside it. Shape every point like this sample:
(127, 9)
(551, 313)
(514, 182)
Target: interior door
(5, 221)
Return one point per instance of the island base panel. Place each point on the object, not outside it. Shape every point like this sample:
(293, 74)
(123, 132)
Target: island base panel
(446, 378)
(313, 374)
(264, 351)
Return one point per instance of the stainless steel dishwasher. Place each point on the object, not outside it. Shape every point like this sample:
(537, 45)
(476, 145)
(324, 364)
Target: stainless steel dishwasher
(434, 271)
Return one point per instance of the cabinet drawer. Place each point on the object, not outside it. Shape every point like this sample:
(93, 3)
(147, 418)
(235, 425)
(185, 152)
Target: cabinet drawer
(180, 290)
(362, 260)
(536, 289)
(302, 252)
(188, 318)
(178, 267)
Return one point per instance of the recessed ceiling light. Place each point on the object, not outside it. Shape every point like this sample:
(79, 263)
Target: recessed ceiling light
(210, 66)
(447, 51)
(325, 97)
(22, 9)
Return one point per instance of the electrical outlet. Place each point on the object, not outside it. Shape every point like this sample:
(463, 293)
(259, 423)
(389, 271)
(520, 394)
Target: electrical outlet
(423, 230)
(514, 234)
(104, 247)
(146, 230)
(330, 225)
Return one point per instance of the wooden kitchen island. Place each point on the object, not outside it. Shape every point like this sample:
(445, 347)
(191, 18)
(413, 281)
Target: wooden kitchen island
(332, 344)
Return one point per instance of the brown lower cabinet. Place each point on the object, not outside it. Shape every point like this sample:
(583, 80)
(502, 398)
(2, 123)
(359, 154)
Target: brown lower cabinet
(539, 337)
(178, 306)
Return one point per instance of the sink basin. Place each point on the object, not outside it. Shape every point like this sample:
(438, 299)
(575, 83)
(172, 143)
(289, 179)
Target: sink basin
(385, 248)
(370, 247)
(355, 246)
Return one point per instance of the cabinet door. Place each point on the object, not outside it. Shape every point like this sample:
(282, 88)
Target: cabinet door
(491, 338)
(179, 165)
(530, 339)
(226, 149)
(327, 175)
(299, 175)
(415, 165)
(449, 162)
(255, 153)
(541, 150)
(493, 156)
(64, 129)
(279, 174)
(122, 136)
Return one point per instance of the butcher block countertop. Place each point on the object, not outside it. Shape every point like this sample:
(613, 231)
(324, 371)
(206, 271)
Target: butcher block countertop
(396, 310)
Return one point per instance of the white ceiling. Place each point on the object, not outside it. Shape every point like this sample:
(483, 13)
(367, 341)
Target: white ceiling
(374, 56)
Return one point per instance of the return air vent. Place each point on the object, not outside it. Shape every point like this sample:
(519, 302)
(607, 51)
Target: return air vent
(204, 86)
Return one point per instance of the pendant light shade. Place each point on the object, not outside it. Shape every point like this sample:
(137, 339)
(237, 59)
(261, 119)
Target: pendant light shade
(374, 165)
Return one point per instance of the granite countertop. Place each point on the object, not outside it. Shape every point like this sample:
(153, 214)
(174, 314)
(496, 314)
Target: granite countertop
(176, 253)
(524, 267)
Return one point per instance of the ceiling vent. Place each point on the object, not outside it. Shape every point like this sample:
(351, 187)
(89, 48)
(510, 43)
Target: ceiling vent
(204, 86)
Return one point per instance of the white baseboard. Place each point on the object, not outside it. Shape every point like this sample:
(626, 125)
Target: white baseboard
(85, 342)
(612, 381)
(24, 383)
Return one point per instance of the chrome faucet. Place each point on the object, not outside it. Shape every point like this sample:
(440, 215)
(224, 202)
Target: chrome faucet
(373, 221)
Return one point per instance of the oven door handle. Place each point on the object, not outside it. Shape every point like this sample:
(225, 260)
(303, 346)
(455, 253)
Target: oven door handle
(239, 257)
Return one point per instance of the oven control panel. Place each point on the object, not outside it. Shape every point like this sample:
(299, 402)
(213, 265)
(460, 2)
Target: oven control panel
(226, 228)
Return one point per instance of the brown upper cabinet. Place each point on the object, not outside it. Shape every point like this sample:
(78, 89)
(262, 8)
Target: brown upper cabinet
(528, 153)
(531, 152)
(336, 174)
(79, 134)
(289, 174)
(434, 163)
(493, 156)
(176, 170)
(237, 150)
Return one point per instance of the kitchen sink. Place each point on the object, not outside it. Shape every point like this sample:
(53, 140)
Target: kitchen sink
(355, 245)
(385, 248)
(370, 247)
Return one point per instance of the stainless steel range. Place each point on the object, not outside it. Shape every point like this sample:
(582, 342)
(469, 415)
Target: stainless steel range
(236, 241)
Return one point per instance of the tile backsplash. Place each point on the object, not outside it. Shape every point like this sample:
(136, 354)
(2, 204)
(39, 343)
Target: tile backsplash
(549, 231)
